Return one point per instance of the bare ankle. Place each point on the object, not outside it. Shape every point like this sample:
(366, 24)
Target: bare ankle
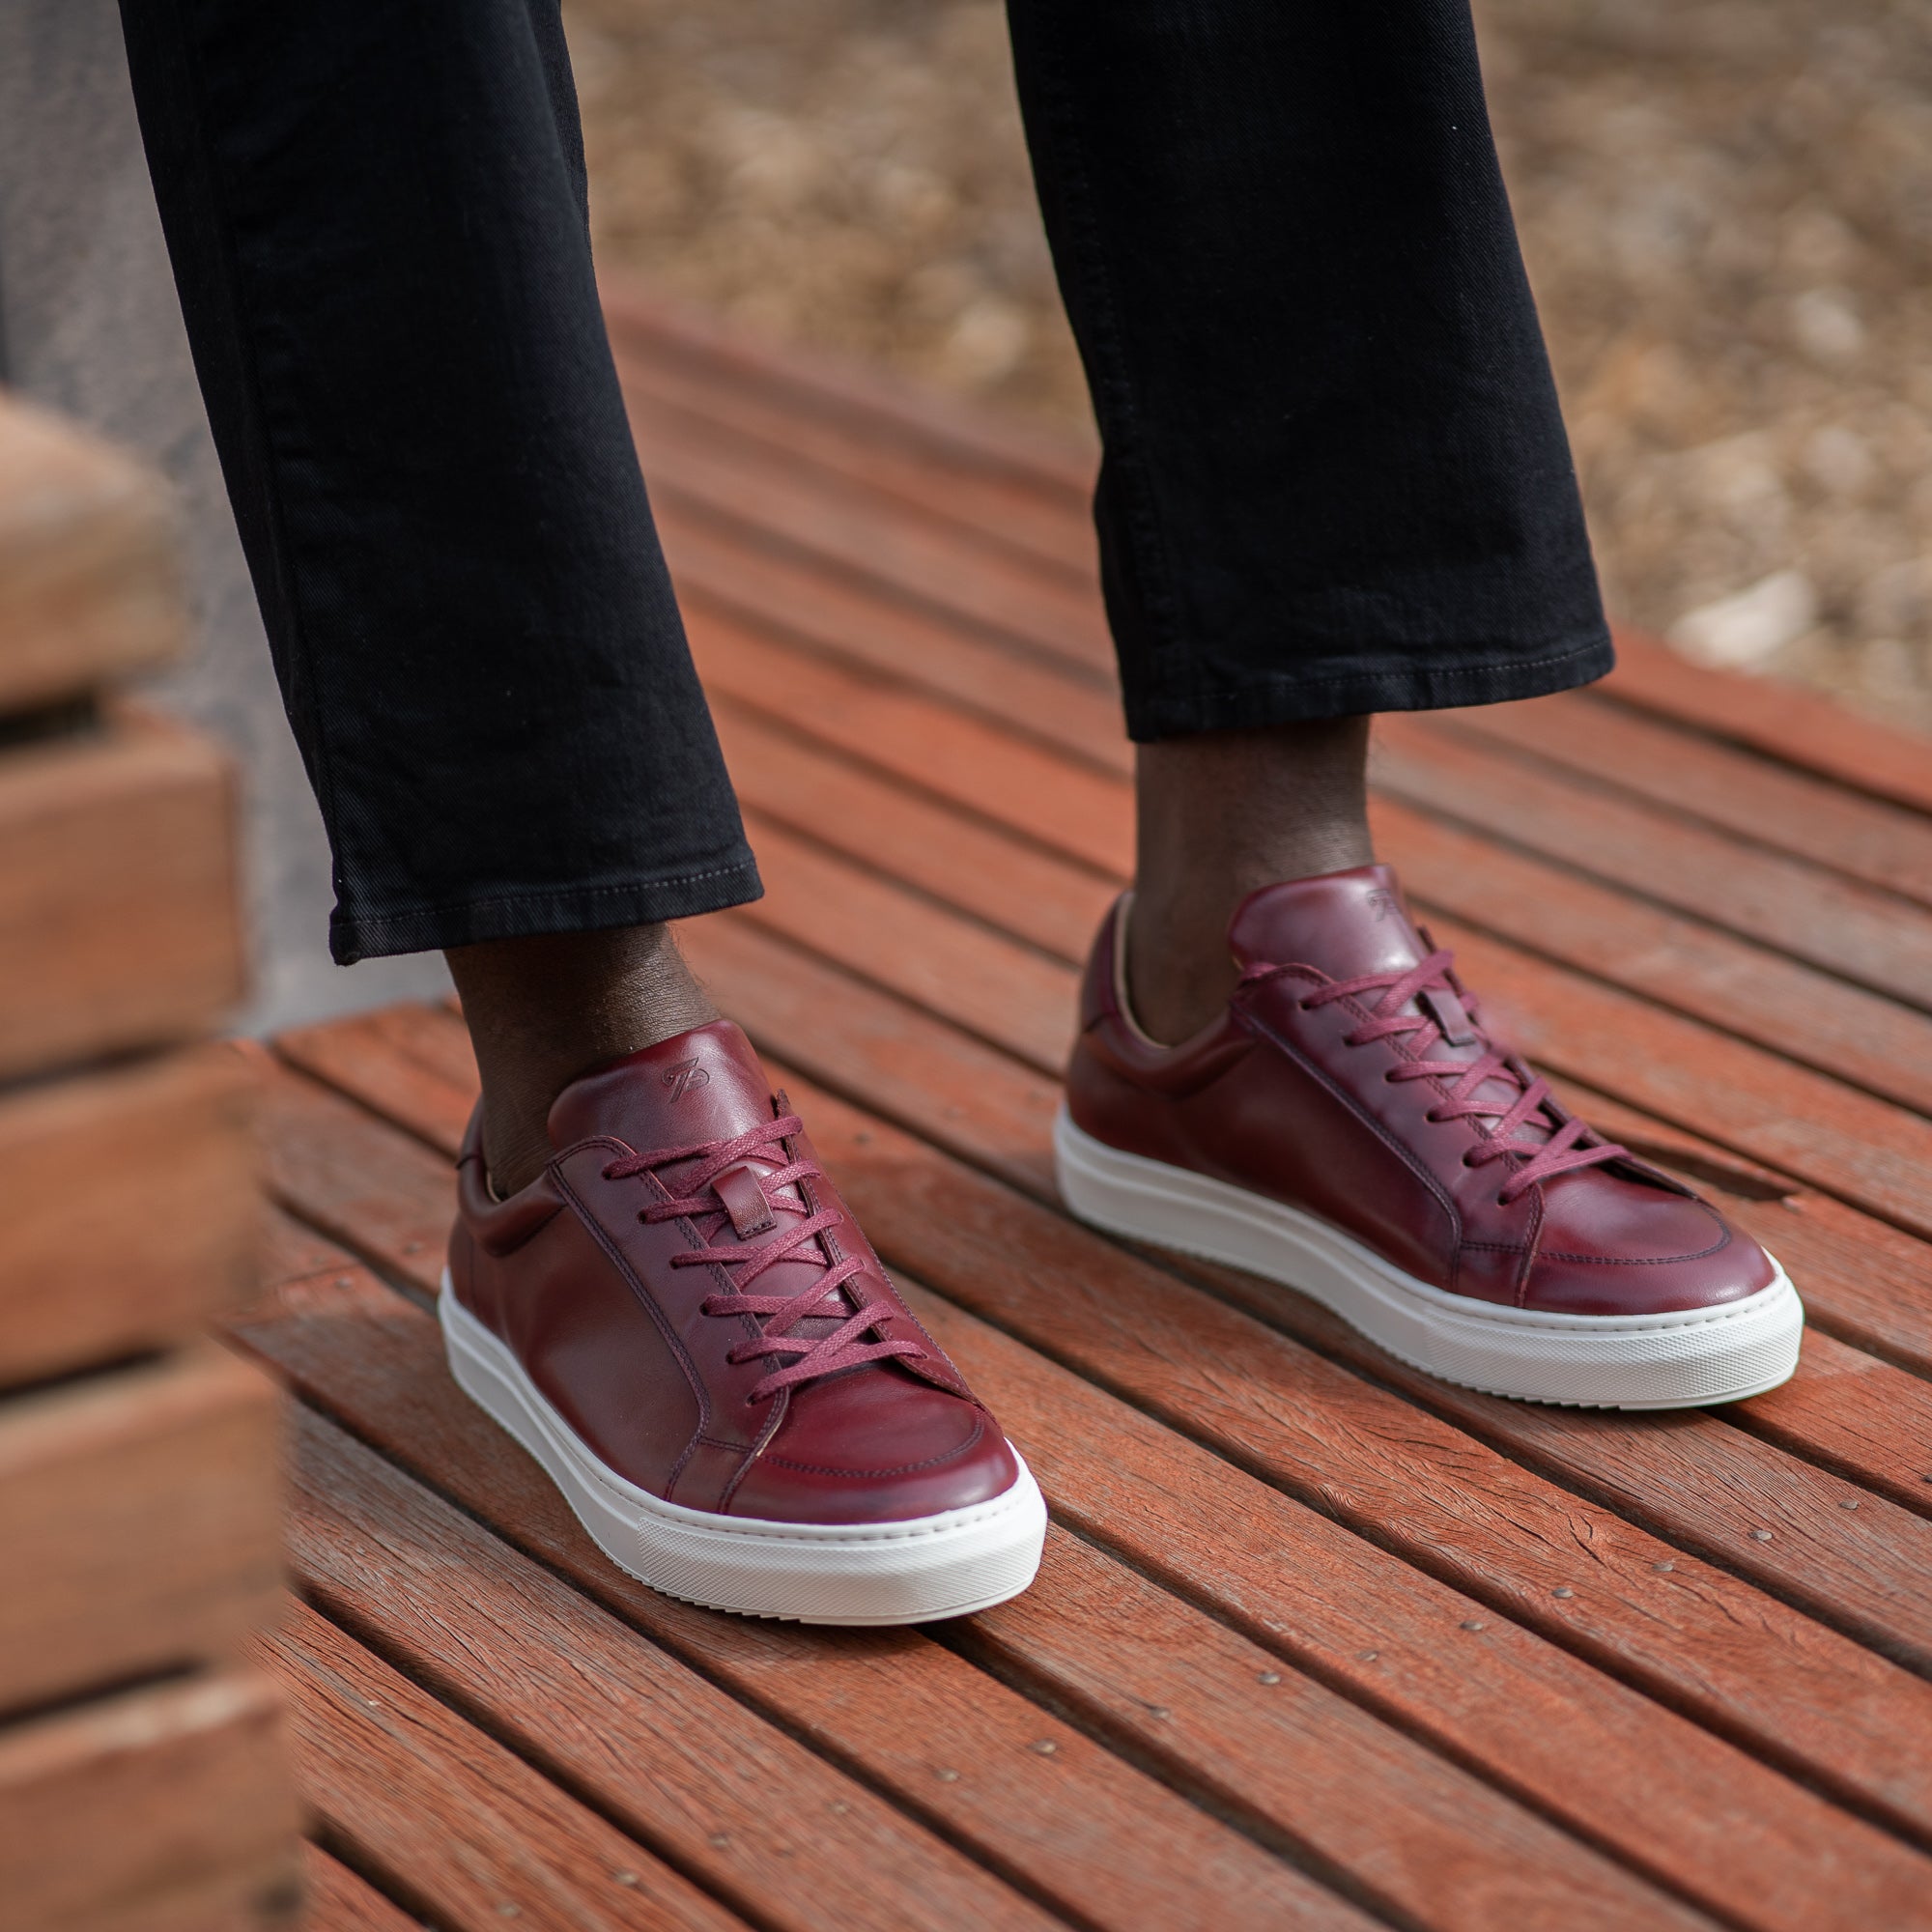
(1221, 814)
(544, 1010)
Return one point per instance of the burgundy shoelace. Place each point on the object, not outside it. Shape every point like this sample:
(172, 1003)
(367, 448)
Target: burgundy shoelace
(1431, 984)
(844, 1347)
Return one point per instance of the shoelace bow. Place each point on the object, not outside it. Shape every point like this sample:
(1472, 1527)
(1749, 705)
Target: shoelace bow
(1560, 1154)
(844, 1347)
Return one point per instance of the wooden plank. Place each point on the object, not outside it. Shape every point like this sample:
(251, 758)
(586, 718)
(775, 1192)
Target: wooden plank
(118, 904)
(1873, 1153)
(1740, 987)
(875, 1055)
(1027, 1794)
(1363, 1455)
(1520, 1710)
(682, 1767)
(1796, 727)
(1086, 816)
(451, 1821)
(139, 1513)
(1076, 707)
(961, 760)
(1685, 771)
(1419, 1841)
(1867, 1152)
(1705, 973)
(871, 539)
(104, 1255)
(336, 1900)
(942, 429)
(981, 980)
(1791, 726)
(1878, 939)
(979, 505)
(788, 781)
(724, 1794)
(90, 590)
(165, 1809)
(1877, 1584)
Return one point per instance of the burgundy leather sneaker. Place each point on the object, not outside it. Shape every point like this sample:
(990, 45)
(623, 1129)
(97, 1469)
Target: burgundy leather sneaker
(684, 1325)
(1347, 1127)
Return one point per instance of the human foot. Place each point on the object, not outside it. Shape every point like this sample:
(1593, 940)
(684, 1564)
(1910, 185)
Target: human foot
(1345, 1127)
(543, 1009)
(680, 1320)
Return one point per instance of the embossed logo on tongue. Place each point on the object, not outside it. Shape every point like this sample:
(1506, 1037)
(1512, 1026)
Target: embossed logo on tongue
(1344, 923)
(683, 1077)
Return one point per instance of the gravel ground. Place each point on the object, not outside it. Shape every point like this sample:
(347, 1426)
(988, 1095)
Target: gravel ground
(1726, 206)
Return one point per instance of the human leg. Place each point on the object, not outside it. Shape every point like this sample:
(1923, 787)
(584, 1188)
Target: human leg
(377, 220)
(1334, 482)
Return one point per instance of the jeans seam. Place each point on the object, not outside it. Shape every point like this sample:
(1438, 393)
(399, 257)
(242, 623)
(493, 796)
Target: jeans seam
(375, 921)
(1109, 345)
(272, 490)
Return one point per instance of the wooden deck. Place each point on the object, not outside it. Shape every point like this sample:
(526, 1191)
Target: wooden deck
(1318, 1641)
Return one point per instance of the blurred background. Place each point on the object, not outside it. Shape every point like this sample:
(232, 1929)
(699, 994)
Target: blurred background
(1726, 206)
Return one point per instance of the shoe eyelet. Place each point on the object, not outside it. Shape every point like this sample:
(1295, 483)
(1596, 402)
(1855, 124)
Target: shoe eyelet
(1469, 1161)
(1502, 1200)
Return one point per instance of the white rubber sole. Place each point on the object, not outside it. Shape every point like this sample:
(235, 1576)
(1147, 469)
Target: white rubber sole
(873, 1572)
(1644, 1361)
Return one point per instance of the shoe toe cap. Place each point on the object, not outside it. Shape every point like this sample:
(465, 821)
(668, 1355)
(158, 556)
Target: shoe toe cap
(873, 1450)
(1620, 1248)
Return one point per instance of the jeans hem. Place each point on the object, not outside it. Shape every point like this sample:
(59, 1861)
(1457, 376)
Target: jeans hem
(353, 937)
(1291, 698)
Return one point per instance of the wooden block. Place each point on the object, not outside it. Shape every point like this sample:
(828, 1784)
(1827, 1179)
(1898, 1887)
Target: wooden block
(128, 1216)
(118, 904)
(89, 587)
(139, 1513)
(162, 1810)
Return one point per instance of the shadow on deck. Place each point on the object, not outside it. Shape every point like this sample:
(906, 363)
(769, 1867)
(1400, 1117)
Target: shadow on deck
(1318, 1641)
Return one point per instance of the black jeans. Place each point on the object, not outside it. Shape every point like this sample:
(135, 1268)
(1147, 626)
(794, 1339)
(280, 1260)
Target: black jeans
(1335, 478)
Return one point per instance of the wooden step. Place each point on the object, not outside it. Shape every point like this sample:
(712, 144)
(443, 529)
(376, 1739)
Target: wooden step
(139, 1516)
(159, 1810)
(119, 905)
(128, 1210)
(90, 589)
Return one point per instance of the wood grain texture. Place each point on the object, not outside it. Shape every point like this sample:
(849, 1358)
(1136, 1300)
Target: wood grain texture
(1412, 1481)
(1783, 723)
(118, 897)
(1872, 1578)
(675, 1761)
(1873, 1154)
(1686, 771)
(450, 1820)
(1069, 1823)
(90, 590)
(1418, 1839)
(1880, 940)
(334, 1899)
(1298, 1585)
(140, 1517)
(1367, 1803)
(943, 429)
(166, 1810)
(129, 1209)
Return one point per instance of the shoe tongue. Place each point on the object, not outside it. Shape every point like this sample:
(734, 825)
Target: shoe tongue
(1349, 924)
(704, 1085)
(1346, 924)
